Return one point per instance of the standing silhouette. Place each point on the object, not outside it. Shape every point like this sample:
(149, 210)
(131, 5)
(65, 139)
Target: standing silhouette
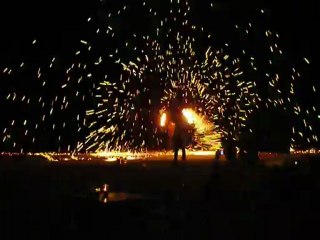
(180, 127)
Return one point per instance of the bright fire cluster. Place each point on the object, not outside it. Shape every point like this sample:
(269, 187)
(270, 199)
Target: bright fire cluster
(205, 137)
(187, 113)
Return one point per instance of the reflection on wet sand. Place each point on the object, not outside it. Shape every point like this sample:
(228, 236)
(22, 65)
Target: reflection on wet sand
(123, 196)
(105, 196)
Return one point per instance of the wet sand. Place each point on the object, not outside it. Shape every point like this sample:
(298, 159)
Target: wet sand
(201, 200)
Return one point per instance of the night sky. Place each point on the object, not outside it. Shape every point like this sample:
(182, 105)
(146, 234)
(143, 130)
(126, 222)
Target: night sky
(58, 26)
(60, 22)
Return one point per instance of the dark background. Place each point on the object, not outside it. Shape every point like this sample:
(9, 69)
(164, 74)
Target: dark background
(60, 21)
(59, 25)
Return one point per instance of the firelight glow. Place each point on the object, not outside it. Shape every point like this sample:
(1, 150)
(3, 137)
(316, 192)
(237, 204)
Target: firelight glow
(205, 131)
(163, 119)
(189, 115)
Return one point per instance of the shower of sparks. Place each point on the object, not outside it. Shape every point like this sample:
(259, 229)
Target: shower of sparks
(127, 106)
(167, 61)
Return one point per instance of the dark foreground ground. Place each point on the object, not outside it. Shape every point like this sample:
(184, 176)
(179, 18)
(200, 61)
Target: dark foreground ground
(202, 200)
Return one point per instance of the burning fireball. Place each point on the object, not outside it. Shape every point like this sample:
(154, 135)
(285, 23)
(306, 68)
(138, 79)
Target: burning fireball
(206, 135)
(189, 115)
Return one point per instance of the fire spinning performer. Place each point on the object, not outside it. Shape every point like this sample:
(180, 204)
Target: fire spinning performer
(180, 127)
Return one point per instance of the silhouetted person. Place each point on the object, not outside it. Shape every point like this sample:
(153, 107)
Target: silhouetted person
(229, 149)
(180, 127)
